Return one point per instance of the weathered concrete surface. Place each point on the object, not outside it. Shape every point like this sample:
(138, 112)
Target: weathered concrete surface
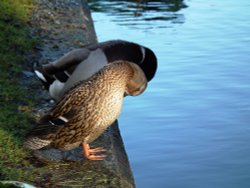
(62, 26)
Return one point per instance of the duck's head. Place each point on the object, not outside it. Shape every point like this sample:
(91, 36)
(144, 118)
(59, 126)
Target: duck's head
(138, 82)
(148, 63)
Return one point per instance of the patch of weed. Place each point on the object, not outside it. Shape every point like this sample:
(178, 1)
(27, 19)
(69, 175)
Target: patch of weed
(14, 121)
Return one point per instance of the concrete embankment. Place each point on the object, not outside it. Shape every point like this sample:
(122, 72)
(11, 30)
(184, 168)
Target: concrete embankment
(63, 25)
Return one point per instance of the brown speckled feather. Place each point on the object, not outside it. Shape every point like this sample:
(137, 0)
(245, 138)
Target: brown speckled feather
(88, 108)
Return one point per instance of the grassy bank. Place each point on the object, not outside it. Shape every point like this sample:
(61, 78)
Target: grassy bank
(15, 100)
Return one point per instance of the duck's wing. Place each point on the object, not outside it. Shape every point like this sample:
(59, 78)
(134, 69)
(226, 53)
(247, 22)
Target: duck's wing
(40, 136)
(62, 68)
(46, 132)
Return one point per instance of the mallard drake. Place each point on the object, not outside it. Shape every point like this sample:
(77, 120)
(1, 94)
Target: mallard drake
(79, 64)
(88, 109)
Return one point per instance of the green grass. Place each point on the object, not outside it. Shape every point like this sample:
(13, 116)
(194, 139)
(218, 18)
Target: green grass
(15, 103)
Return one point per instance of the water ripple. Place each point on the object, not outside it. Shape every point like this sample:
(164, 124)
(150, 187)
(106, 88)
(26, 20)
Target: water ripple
(141, 13)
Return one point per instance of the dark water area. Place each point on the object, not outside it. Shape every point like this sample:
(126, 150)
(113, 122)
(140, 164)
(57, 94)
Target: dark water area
(191, 128)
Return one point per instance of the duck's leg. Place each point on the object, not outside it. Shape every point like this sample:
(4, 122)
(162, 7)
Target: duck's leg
(91, 154)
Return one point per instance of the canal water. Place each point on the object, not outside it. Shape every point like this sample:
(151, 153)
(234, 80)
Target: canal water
(191, 128)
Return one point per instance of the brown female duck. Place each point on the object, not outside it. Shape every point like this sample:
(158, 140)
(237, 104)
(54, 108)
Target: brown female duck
(88, 109)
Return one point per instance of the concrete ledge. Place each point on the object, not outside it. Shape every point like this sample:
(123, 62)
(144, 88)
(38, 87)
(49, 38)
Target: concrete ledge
(62, 26)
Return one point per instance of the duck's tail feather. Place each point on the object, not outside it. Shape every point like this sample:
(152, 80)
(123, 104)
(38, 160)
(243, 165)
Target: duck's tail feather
(35, 143)
(40, 136)
(46, 80)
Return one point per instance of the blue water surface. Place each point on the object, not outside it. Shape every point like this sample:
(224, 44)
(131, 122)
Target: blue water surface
(191, 128)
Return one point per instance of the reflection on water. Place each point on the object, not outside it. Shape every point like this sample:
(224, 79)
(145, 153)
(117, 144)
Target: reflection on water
(140, 13)
(191, 126)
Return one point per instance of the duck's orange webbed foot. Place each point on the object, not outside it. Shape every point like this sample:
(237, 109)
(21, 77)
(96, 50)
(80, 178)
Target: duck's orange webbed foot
(92, 154)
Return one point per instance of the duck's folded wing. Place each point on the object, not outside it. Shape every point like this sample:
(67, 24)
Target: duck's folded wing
(40, 136)
(44, 133)
(70, 59)
(62, 68)
(58, 133)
